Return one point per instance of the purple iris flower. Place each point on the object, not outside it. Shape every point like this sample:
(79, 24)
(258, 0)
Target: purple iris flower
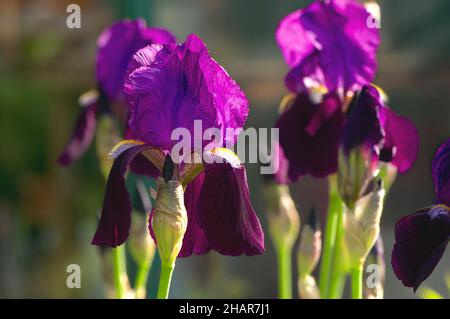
(311, 134)
(329, 43)
(421, 238)
(169, 87)
(116, 46)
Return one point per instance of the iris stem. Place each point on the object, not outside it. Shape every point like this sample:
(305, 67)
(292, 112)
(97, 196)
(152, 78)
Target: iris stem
(119, 270)
(357, 278)
(284, 271)
(164, 281)
(140, 284)
(338, 274)
(330, 236)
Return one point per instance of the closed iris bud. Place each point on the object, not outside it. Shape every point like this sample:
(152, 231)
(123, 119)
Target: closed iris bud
(282, 214)
(355, 170)
(142, 247)
(307, 288)
(309, 247)
(374, 274)
(362, 223)
(169, 221)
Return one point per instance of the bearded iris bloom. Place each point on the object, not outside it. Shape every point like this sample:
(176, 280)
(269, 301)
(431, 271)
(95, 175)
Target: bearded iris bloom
(116, 46)
(421, 238)
(169, 87)
(331, 53)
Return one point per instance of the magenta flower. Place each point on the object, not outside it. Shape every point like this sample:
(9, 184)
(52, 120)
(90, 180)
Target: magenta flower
(116, 46)
(311, 134)
(169, 87)
(329, 43)
(421, 238)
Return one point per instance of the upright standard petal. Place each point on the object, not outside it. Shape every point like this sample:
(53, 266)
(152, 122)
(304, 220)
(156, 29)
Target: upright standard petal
(116, 46)
(169, 87)
(115, 219)
(330, 42)
(310, 135)
(82, 135)
(420, 241)
(225, 212)
(441, 174)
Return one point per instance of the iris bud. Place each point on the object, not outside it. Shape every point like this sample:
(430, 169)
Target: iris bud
(362, 224)
(355, 170)
(284, 220)
(169, 220)
(307, 288)
(309, 248)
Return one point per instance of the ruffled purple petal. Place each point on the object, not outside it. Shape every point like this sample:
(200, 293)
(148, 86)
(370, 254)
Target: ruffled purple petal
(441, 173)
(171, 86)
(194, 241)
(225, 212)
(363, 126)
(401, 141)
(310, 135)
(329, 39)
(421, 240)
(115, 219)
(82, 135)
(116, 46)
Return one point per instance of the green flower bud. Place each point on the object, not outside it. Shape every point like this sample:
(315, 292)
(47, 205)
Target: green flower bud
(282, 214)
(354, 173)
(309, 249)
(169, 220)
(307, 288)
(362, 224)
(142, 246)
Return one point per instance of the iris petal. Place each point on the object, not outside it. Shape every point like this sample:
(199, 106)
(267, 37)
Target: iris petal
(401, 139)
(421, 240)
(169, 87)
(116, 46)
(82, 135)
(225, 212)
(441, 173)
(329, 40)
(310, 135)
(115, 219)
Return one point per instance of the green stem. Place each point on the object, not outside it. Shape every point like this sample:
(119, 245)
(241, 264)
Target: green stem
(119, 270)
(330, 237)
(338, 273)
(164, 281)
(140, 283)
(357, 278)
(284, 271)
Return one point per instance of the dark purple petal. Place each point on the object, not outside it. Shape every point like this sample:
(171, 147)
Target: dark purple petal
(115, 219)
(194, 241)
(310, 135)
(401, 140)
(421, 240)
(82, 135)
(332, 40)
(441, 174)
(116, 46)
(225, 213)
(363, 125)
(170, 87)
(140, 165)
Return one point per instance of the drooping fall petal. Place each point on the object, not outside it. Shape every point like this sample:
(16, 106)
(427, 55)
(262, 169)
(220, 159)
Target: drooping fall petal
(420, 241)
(115, 218)
(441, 174)
(310, 135)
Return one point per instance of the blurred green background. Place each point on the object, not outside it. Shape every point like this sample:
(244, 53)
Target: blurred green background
(48, 213)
